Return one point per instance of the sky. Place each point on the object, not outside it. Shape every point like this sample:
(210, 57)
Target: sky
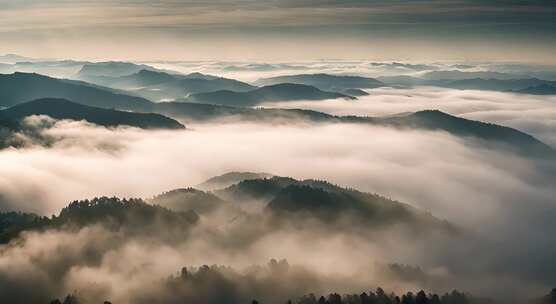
(267, 30)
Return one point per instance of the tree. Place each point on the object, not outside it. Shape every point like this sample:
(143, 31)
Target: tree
(435, 299)
(408, 298)
(334, 298)
(421, 298)
(71, 299)
(364, 298)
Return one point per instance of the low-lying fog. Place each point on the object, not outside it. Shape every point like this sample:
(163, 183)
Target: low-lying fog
(431, 170)
(534, 114)
(251, 71)
(500, 197)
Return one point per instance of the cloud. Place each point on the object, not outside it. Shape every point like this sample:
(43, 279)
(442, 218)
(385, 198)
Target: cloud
(533, 114)
(99, 264)
(503, 202)
(181, 13)
(266, 29)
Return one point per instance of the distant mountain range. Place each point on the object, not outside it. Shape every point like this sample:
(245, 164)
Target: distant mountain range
(277, 92)
(112, 69)
(145, 78)
(406, 66)
(524, 85)
(157, 85)
(496, 84)
(73, 68)
(53, 68)
(20, 87)
(17, 88)
(167, 85)
(13, 58)
(541, 89)
(324, 82)
(460, 75)
(142, 78)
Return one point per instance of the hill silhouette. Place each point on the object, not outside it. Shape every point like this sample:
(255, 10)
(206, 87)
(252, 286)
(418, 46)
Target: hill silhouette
(278, 92)
(324, 82)
(460, 75)
(18, 88)
(288, 199)
(541, 89)
(159, 85)
(65, 109)
(111, 69)
(129, 216)
(490, 134)
(505, 84)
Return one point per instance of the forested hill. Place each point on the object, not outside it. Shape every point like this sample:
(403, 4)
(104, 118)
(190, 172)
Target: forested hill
(130, 216)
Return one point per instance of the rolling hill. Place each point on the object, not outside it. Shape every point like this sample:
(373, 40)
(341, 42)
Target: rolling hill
(65, 109)
(277, 92)
(127, 216)
(181, 88)
(158, 85)
(18, 88)
(496, 84)
(518, 85)
(490, 135)
(324, 82)
(541, 89)
(111, 69)
(460, 75)
(291, 199)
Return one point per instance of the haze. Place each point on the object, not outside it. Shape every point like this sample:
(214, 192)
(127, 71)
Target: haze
(277, 151)
(280, 30)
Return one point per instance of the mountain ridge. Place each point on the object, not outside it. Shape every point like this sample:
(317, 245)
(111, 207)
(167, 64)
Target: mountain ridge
(65, 109)
(325, 82)
(21, 87)
(277, 92)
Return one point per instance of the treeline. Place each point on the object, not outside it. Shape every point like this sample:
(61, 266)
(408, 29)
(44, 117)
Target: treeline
(376, 297)
(130, 215)
(265, 285)
(261, 285)
(381, 297)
